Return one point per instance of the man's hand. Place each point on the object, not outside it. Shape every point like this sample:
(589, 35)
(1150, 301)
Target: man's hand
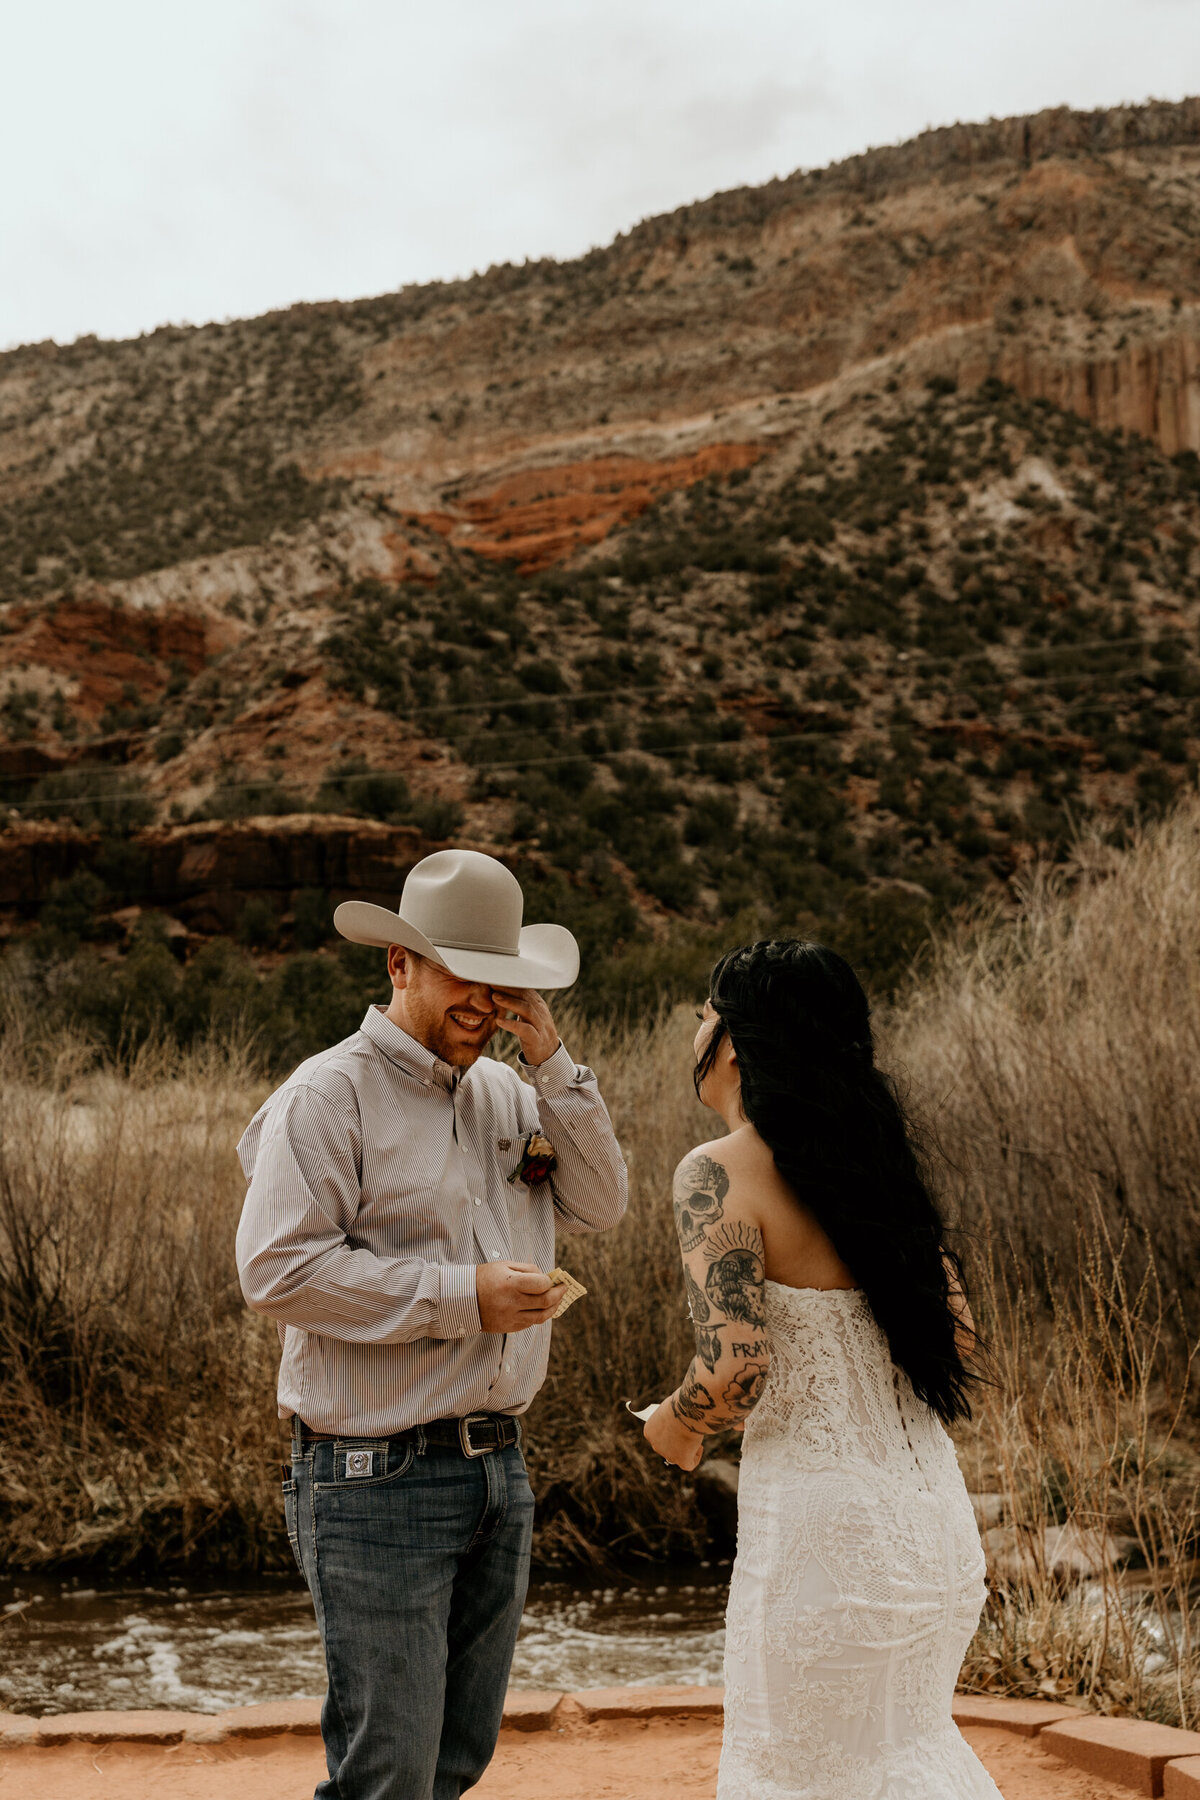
(514, 1296)
(526, 1015)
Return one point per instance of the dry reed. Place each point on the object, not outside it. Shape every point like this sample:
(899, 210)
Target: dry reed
(1083, 1460)
(1055, 1059)
(132, 1381)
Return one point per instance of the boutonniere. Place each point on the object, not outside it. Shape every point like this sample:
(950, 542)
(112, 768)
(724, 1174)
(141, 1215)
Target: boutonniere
(537, 1160)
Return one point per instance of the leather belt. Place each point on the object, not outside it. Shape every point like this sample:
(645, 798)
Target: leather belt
(479, 1434)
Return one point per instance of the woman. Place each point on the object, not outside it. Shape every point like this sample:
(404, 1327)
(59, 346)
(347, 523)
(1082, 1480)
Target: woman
(830, 1320)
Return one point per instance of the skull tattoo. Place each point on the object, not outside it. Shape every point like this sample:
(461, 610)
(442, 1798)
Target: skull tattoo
(700, 1189)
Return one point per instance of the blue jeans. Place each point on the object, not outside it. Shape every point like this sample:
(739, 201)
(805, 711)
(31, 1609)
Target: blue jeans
(417, 1572)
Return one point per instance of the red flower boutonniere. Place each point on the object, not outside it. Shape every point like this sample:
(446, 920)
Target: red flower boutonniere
(537, 1160)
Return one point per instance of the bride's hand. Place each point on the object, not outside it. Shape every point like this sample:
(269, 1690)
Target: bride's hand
(673, 1441)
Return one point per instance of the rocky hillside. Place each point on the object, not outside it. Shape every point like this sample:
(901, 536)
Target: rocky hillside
(816, 543)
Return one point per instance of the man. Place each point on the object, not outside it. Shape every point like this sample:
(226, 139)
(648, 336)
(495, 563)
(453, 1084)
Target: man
(388, 1230)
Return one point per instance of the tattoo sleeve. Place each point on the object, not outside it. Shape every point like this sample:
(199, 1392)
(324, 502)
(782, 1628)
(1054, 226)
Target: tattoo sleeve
(693, 1401)
(723, 1272)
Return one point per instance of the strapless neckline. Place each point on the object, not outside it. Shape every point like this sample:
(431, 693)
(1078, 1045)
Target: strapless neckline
(785, 1287)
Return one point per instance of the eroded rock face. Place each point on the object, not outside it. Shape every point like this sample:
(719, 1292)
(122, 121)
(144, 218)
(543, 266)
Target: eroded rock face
(93, 648)
(542, 515)
(33, 856)
(1151, 387)
(203, 874)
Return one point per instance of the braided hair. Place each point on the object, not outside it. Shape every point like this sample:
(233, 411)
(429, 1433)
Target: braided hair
(799, 1023)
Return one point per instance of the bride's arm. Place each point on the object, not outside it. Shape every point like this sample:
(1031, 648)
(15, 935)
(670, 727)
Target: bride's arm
(723, 1270)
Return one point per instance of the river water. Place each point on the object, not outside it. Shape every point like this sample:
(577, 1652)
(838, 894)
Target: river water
(72, 1648)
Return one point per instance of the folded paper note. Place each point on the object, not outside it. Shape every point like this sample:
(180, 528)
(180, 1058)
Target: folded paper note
(646, 1411)
(575, 1290)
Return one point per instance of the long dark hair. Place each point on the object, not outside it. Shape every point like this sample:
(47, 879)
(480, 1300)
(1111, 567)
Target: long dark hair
(800, 1026)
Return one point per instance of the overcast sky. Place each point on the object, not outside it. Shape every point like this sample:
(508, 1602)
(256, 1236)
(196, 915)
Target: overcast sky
(169, 162)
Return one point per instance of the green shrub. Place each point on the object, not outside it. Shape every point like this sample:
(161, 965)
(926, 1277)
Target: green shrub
(712, 819)
(541, 676)
(881, 931)
(250, 800)
(258, 926)
(437, 817)
(312, 918)
(92, 798)
(75, 907)
(352, 787)
(810, 804)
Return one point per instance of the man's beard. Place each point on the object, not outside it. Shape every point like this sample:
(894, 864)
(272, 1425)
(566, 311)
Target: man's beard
(442, 1039)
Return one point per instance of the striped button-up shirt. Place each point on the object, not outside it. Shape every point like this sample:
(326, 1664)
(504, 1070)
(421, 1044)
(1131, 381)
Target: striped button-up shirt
(379, 1181)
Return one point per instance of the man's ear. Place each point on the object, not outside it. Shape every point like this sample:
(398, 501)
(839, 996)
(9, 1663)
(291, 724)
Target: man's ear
(399, 966)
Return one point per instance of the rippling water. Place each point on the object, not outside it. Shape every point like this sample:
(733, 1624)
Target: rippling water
(78, 1649)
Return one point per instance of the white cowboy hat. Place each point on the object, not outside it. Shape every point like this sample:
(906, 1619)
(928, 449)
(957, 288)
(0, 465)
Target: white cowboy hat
(463, 911)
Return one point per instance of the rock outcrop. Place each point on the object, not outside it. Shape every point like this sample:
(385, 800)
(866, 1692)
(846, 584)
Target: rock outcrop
(203, 874)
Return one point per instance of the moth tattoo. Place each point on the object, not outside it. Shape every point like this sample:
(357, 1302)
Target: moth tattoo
(735, 1275)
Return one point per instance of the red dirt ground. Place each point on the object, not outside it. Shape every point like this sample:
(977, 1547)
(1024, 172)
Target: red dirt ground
(622, 1760)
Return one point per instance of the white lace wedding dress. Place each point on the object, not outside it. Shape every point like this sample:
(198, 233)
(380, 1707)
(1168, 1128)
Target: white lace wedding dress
(859, 1575)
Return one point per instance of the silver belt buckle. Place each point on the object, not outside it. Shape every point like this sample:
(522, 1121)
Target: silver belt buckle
(464, 1435)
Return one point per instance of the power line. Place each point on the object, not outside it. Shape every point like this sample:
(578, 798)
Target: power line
(1091, 677)
(634, 750)
(995, 678)
(835, 729)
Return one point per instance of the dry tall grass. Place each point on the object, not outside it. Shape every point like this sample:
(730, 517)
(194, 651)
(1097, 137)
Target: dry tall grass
(132, 1383)
(1053, 1060)
(1085, 1450)
(1056, 1059)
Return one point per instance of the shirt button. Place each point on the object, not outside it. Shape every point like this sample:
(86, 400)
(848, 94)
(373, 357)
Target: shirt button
(478, 1201)
(495, 1256)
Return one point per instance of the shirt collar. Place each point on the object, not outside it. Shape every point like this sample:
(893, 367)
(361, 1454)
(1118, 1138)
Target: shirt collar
(407, 1053)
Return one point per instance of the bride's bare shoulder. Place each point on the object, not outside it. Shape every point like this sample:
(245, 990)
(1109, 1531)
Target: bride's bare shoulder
(720, 1165)
(701, 1172)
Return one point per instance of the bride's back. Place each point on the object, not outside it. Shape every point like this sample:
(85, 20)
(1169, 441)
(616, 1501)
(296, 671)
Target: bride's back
(796, 1251)
(833, 1392)
(834, 1398)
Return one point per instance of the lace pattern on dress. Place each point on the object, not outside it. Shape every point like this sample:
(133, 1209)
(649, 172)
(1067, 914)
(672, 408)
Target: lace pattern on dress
(859, 1577)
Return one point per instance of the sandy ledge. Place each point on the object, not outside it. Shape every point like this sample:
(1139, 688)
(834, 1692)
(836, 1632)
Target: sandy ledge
(614, 1744)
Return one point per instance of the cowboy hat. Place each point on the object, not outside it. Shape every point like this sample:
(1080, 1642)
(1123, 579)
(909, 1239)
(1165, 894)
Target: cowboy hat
(463, 911)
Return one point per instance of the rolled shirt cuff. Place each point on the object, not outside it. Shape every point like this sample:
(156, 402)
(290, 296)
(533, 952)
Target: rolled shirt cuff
(554, 1076)
(459, 1310)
